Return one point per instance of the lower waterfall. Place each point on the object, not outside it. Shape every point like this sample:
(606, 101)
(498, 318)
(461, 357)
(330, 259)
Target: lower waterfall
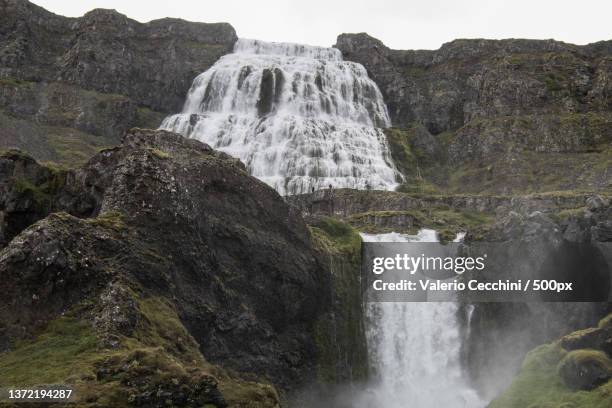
(414, 350)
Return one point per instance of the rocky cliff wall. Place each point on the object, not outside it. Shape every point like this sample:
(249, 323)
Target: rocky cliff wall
(508, 116)
(166, 225)
(74, 85)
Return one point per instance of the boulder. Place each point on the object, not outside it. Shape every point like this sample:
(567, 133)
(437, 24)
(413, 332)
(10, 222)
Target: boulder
(585, 369)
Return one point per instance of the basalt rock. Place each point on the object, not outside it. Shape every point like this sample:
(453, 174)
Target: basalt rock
(78, 84)
(502, 117)
(166, 217)
(445, 89)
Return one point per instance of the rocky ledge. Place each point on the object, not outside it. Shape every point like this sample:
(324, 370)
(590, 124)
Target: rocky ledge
(483, 216)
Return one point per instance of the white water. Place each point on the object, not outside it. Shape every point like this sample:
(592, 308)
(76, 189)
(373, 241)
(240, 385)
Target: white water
(414, 350)
(298, 116)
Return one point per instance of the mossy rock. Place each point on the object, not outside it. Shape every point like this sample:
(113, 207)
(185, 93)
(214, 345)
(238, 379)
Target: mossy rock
(585, 369)
(539, 385)
(159, 364)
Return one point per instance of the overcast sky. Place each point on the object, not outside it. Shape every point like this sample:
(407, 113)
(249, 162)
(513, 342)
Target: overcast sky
(400, 24)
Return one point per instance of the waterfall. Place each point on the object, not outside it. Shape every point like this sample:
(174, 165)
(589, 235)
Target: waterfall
(415, 350)
(298, 116)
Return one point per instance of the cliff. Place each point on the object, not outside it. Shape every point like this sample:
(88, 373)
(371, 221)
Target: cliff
(509, 116)
(166, 254)
(70, 86)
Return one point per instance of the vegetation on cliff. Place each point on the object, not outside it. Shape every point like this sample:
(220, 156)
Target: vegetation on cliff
(72, 86)
(340, 338)
(162, 273)
(552, 376)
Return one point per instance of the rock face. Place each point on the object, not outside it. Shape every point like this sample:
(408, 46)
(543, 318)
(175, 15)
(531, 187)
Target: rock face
(168, 217)
(468, 79)
(94, 76)
(564, 246)
(507, 116)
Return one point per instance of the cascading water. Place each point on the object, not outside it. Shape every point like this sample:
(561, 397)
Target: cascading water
(414, 350)
(298, 116)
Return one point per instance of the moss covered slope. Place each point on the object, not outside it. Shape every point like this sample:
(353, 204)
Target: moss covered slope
(573, 372)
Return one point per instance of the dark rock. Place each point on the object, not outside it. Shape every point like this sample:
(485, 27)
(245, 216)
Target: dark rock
(597, 202)
(591, 338)
(118, 314)
(465, 79)
(107, 52)
(509, 116)
(585, 369)
(602, 231)
(82, 82)
(171, 217)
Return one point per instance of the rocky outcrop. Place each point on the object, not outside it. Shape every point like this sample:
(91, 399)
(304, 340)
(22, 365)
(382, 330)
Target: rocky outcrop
(95, 76)
(576, 372)
(509, 116)
(166, 219)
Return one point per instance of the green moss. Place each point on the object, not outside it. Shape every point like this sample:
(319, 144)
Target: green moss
(583, 356)
(15, 154)
(163, 332)
(401, 152)
(568, 213)
(161, 326)
(538, 385)
(73, 148)
(159, 153)
(114, 220)
(339, 334)
(605, 322)
(14, 82)
(246, 394)
(66, 348)
(554, 82)
(335, 236)
(160, 354)
(24, 186)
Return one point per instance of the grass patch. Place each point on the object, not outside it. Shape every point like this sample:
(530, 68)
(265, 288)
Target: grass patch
(568, 213)
(161, 355)
(160, 154)
(66, 348)
(111, 220)
(73, 148)
(14, 82)
(42, 194)
(335, 236)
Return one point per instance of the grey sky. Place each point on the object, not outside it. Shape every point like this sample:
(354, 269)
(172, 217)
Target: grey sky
(408, 24)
